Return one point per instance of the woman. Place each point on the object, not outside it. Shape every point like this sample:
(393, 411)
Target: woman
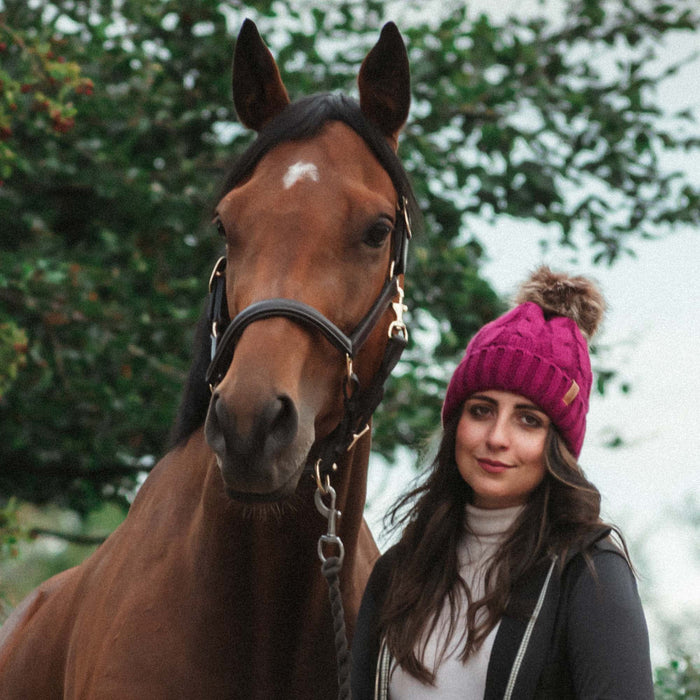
(505, 582)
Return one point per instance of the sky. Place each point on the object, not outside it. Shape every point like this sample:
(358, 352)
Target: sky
(653, 325)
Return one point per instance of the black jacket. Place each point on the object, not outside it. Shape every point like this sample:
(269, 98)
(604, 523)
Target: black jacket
(565, 634)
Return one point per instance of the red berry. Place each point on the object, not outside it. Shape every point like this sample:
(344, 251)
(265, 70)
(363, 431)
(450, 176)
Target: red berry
(61, 125)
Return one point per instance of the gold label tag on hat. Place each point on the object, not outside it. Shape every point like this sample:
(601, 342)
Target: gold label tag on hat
(571, 394)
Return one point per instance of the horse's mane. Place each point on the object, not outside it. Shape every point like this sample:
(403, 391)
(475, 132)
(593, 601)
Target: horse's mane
(298, 121)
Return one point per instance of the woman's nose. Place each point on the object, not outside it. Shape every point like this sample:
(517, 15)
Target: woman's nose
(498, 436)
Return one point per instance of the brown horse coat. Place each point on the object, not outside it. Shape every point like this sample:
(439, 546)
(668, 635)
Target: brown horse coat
(190, 599)
(197, 595)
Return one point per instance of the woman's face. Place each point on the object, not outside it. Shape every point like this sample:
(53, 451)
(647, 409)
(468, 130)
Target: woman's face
(499, 447)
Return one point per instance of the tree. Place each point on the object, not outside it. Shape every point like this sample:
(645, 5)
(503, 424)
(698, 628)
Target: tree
(680, 679)
(106, 243)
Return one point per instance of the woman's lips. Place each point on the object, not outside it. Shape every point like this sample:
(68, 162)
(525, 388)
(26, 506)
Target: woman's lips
(493, 467)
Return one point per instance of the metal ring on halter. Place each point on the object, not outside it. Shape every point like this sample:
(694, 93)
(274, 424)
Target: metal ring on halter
(348, 366)
(218, 271)
(317, 475)
(403, 209)
(398, 325)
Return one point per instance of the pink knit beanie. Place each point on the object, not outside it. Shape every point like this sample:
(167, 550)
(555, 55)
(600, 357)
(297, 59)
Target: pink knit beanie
(538, 350)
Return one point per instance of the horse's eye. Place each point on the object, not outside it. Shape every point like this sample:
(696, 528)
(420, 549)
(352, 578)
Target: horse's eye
(377, 233)
(220, 228)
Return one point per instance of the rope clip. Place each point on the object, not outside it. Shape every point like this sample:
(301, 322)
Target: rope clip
(332, 516)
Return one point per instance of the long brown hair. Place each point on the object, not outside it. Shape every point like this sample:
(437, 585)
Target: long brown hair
(558, 516)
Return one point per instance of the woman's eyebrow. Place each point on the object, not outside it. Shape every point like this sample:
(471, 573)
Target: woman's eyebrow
(519, 406)
(531, 407)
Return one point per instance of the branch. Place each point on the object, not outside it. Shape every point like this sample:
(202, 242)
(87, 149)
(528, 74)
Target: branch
(67, 469)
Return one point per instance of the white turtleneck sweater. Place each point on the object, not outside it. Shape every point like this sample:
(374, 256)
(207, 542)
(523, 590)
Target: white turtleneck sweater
(455, 679)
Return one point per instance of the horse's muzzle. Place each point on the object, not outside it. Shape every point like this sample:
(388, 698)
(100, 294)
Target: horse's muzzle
(262, 461)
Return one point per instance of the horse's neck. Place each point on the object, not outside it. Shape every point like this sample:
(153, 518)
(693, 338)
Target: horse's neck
(279, 545)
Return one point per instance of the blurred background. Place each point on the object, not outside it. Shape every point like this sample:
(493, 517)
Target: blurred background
(562, 132)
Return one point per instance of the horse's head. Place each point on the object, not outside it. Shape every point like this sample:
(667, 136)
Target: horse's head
(309, 221)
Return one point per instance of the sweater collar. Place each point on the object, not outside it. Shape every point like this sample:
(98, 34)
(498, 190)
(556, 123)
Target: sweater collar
(490, 522)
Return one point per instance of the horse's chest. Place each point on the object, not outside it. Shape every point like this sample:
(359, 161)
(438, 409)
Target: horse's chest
(247, 645)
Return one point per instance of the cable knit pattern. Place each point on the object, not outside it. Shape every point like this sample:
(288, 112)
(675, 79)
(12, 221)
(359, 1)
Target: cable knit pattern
(526, 353)
(485, 531)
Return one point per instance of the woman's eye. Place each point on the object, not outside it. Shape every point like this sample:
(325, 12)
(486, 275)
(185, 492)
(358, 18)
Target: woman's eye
(531, 421)
(479, 410)
(376, 235)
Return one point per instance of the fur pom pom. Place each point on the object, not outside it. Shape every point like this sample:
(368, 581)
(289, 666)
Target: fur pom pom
(557, 294)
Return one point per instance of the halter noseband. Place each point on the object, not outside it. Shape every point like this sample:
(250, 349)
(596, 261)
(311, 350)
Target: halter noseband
(359, 404)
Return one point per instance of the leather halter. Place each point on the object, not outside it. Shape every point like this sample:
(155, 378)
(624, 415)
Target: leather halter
(359, 403)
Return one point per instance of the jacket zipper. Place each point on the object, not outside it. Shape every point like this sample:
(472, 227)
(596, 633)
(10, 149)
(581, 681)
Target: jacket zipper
(381, 677)
(525, 641)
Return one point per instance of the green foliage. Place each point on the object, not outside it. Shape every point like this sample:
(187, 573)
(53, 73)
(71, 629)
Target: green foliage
(105, 240)
(10, 531)
(36, 87)
(41, 542)
(13, 349)
(680, 679)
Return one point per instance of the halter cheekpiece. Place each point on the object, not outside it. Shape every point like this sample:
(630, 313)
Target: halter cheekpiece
(359, 402)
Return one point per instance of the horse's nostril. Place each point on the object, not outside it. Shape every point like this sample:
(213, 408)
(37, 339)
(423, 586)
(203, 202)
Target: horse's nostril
(274, 428)
(217, 417)
(279, 425)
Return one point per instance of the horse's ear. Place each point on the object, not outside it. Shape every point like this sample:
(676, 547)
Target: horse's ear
(385, 84)
(258, 91)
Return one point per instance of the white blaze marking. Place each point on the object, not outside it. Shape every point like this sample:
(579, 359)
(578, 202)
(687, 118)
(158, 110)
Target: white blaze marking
(300, 171)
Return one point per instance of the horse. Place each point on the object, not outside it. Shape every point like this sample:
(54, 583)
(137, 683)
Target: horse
(211, 587)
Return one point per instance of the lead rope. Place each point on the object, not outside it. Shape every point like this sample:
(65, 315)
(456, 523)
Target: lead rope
(330, 567)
